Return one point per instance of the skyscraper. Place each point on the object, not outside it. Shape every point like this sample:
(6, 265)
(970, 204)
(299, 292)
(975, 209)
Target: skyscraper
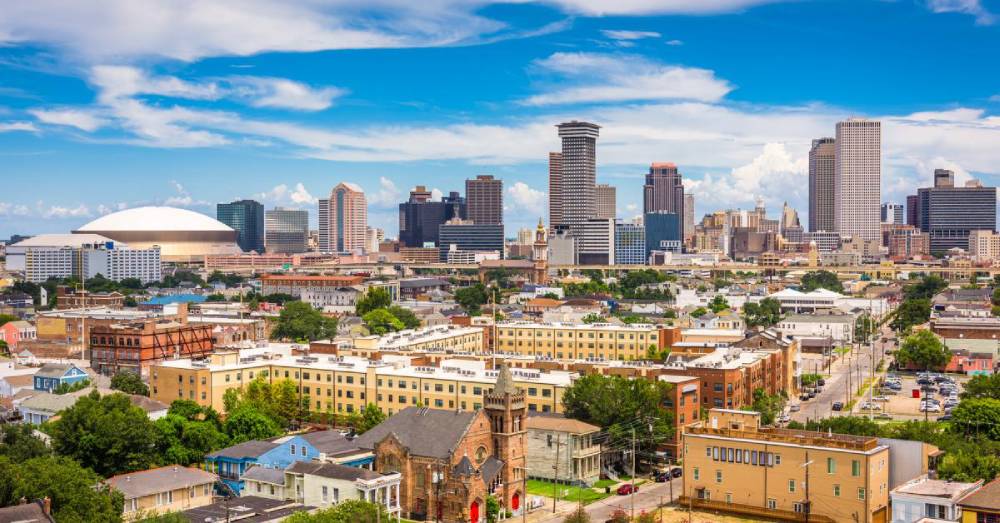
(912, 211)
(822, 167)
(578, 172)
(688, 217)
(892, 213)
(343, 219)
(948, 213)
(663, 231)
(246, 217)
(858, 179)
(286, 230)
(555, 189)
(420, 218)
(484, 198)
(664, 190)
(607, 201)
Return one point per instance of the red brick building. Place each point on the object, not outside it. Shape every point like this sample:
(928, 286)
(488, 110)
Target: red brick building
(135, 346)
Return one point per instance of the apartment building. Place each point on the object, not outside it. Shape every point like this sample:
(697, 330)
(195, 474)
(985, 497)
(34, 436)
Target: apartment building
(581, 341)
(445, 337)
(733, 464)
(134, 346)
(344, 384)
(295, 284)
(729, 375)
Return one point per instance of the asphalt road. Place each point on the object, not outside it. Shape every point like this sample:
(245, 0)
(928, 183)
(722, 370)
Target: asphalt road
(648, 498)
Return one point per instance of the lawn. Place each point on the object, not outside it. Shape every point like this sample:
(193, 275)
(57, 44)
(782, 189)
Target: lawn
(567, 492)
(601, 483)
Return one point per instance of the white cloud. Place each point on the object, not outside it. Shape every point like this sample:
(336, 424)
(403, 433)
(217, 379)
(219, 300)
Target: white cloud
(629, 35)
(969, 7)
(387, 195)
(84, 120)
(294, 197)
(522, 198)
(6, 127)
(286, 94)
(183, 198)
(596, 77)
(648, 7)
(115, 81)
(775, 174)
(675, 42)
(57, 211)
(436, 194)
(13, 209)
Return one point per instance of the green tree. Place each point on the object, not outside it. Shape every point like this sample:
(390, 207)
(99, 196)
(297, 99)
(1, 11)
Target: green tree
(6, 318)
(215, 297)
(492, 509)
(718, 304)
(911, 313)
(699, 312)
(348, 511)
(409, 319)
(107, 434)
(763, 314)
(593, 318)
(381, 321)
(982, 386)
(969, 466)
(19, 443)
(76, 492)
(978, 416)
(370, 417)
(66, 388)
(247, 423)
(923, 351)
(768, 405)
(129, 383)
(300, 321)
(374, 298)
(821, 280)
(471, 298)
(925, 289)
(578, 516)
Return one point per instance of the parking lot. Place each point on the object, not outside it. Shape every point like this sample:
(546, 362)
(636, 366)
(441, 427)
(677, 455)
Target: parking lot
(899, 403)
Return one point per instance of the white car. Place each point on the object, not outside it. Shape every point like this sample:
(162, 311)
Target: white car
(930, 408)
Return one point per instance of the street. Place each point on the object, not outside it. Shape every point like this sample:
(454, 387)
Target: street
(649, 496)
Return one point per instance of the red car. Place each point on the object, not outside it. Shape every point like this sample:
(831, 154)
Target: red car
(627, 489)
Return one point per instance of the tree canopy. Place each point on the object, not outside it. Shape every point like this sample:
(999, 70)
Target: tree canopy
(278, 401)
(763, 314)
(925, 289)
(188, 432)
(911, 313)
(107, 434)
(718, 304)
(982, 387)
(364, 421)
(472, 298)
(129, 383)
(76, 492)
(19, 443)
(347, 511)
(374, 298)
(821, 280)
(381, 321)
(924, 351)
(300, 321)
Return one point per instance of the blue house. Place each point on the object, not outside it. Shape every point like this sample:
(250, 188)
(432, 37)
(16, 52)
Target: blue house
(51, 375)
(328, 446)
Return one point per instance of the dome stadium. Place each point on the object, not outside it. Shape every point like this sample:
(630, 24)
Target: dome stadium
(183, 235)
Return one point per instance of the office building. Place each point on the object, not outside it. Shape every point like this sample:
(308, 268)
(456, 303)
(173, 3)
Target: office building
(688, 217)
(114, 261)
(420, 218)
(555, 189)
(949, 213)
(858, 178)
(826, 241)
(246, 217)
(663, 190)
(343, 219)
(822, 167)
(467, 236)
(578, 172)
(892, 213)
(906, 241)
(286, 231)
(484, 200)
(607, 201)
(732, 463)
(630, 244)
(663, 231)
(595, 241)
(912, 210)
(984, 246)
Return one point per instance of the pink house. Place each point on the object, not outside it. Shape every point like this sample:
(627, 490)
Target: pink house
(13, 332)
(970, 363)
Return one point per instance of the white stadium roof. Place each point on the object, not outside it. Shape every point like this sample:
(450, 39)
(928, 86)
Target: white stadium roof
(154, 219)
(61, 240)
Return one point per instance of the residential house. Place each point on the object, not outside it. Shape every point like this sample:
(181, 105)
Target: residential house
(38, 511)
(324, 484)
(578, 459)
(923, 497)
(13, 332)
(725, 319)
(40, 407)
(983, 505)
(838, 327)
(250, 509)
(51, 375)
(165, 489)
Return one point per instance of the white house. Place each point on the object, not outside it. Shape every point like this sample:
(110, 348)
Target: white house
(839, 327)
(929, 498)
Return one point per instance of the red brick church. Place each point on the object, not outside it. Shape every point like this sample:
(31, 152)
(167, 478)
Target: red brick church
(452, 461)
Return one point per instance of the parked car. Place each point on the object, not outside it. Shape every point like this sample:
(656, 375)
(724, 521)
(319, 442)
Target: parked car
(929, 407)
(677, 472)
(882, 415)
(803, 397)
(946, 417)
(812, 394)
(794, 408)
(627, 489)
(870, 406)
(784, 418)
(821, 382)
(880, 398)
(838, 405)
(661, 477)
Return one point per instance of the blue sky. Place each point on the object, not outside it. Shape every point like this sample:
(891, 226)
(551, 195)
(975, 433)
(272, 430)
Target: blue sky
(107, 105)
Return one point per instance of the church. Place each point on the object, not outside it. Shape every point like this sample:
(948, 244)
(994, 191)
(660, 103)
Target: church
(452, 461)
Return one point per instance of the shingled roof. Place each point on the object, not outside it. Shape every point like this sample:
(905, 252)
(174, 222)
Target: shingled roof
(432, 433)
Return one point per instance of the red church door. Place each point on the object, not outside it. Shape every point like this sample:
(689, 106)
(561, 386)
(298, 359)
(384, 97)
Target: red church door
(474, 512)
(515, 501)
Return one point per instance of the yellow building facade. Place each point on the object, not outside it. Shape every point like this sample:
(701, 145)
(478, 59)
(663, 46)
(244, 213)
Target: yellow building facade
(593, 341)
(731, 464)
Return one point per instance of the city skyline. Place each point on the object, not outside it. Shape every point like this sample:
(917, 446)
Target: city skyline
(125, 122)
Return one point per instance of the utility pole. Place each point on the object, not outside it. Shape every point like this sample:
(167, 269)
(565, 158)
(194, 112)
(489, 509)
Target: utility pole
(555, 477)
(808, 507)
(631, 494)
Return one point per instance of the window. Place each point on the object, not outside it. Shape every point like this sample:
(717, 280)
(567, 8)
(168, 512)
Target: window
(302, 450)
(730, 454)
(791, 485)
(772, 504)
(133, 504)
(836, 491)
(293, 448)
(934, 511)
(326, 494)
(753, 458)
(729, 497)
(696, 473)
(718, 476)
(861, 493)
(777, 459)
(831, 466)
(708, 452)
(855, 468)
(715, 453)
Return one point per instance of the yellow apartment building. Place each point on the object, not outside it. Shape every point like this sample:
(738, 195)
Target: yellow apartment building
(440, 337)
(732, 464)
(344, 384)
(586, 341)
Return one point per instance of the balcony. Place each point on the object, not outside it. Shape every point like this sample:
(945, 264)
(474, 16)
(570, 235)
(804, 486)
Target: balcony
(796, 437)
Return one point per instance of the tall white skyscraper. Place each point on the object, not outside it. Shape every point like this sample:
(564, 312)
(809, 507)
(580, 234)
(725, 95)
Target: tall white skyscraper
(858, 178)
(578, 172)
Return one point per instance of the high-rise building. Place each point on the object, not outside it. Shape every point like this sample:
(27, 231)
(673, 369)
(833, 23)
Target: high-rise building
(912, 210)
(858, 179)
(607, 201)
(343, 219)
(555, 189)
(484, 198)
(688, 217)
(948, 213)
(286, 231)
(663, 231)
(115, 261)
(463, 235)
(578, 172)
(420, 218)
(822, 167)
(595, 241)
(892, 213)
(246, 217)
(664, 190)
(630, 244)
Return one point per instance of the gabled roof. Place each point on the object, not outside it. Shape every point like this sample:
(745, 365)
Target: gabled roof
(163, 479)
(54, 370)
(48, 402)
(331, 442)
(247, 449)
(25, 513)
(490, 468)
(425, 432)
(559, 424)
(987, 497)
(265, 474)
(333, 471)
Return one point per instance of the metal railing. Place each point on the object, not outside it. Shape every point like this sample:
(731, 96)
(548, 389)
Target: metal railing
(798, 437)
